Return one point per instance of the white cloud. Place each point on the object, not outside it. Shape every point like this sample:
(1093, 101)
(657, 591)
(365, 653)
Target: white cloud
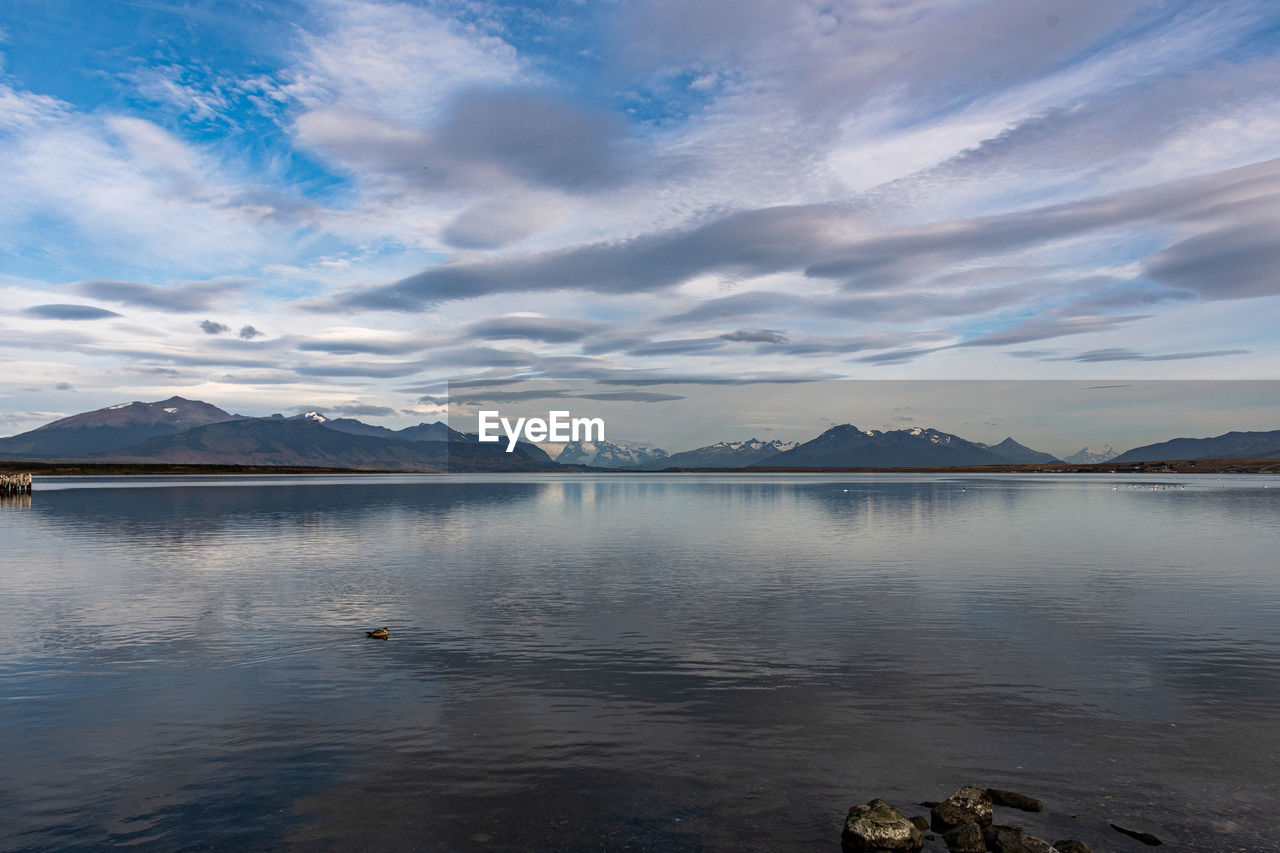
(171, 85)
(127, 190)
(399, 62)
(932, 135)
(23, 112)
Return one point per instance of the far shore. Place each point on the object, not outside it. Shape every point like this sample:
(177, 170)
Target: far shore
(1178, 466)
(116, 469)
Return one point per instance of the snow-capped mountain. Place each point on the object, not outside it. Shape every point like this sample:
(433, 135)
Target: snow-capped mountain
(846, 446)
(1091, 455)
(727, 454)
(611, 454)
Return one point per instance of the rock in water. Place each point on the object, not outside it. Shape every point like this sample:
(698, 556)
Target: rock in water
(877, 826)
(1011, 839)
(1072, 847)
(1014, 800)
(965, 838)
(922, 823)
(1144, 837)
(965, 805)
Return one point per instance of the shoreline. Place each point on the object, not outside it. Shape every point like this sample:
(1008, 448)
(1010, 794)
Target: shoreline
(1266, 465)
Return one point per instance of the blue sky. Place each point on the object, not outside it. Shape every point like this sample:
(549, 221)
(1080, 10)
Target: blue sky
(338, 205)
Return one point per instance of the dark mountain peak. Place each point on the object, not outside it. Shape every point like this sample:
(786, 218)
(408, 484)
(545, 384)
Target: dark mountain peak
(845, 446)
(1018, 453)
(845, 432)
(112, 427)
(173, 410)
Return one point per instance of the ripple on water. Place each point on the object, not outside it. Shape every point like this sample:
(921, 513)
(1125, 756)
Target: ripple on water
(674, 664)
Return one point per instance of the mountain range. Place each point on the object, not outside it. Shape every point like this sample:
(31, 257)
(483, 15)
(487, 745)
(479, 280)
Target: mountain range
(729, 454)
(846, 446)
(1011, 451)
(640, 457)
(181, 431)
(178, 431)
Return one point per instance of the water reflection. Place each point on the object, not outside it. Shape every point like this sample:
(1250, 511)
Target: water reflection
(192, 514)
(673, 663)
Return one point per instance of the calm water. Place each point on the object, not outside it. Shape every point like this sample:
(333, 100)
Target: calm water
(651, 662)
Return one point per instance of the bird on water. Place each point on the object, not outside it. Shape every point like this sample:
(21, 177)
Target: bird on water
(380, 634)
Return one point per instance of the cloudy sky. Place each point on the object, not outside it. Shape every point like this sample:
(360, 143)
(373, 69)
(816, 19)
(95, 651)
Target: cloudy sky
(340, 204)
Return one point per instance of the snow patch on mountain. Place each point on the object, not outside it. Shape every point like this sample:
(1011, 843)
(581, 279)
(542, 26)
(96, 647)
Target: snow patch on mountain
(1092, 455)
(609, 454)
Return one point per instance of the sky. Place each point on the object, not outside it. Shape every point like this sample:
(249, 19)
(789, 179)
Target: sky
(341, 205)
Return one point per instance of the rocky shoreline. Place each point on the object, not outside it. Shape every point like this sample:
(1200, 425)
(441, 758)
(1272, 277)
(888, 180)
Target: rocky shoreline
(964, 822)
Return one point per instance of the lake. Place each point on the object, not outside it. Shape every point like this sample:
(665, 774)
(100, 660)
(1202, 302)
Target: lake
(642, 662)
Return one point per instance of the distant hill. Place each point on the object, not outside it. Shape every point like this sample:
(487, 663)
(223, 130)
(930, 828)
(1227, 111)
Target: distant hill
(724, 454)
(310, 443)
(1231, 445)
(1091, 456)
(846, 446)
(112, 428)
(1019, 454)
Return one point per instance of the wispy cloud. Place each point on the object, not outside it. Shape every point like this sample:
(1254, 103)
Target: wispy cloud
(548, 329)
(183, 298)
(1126, 354)
(68, 312)
(1041, 329)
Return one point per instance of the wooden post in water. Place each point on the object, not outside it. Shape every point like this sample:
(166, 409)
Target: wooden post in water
(15, 484)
